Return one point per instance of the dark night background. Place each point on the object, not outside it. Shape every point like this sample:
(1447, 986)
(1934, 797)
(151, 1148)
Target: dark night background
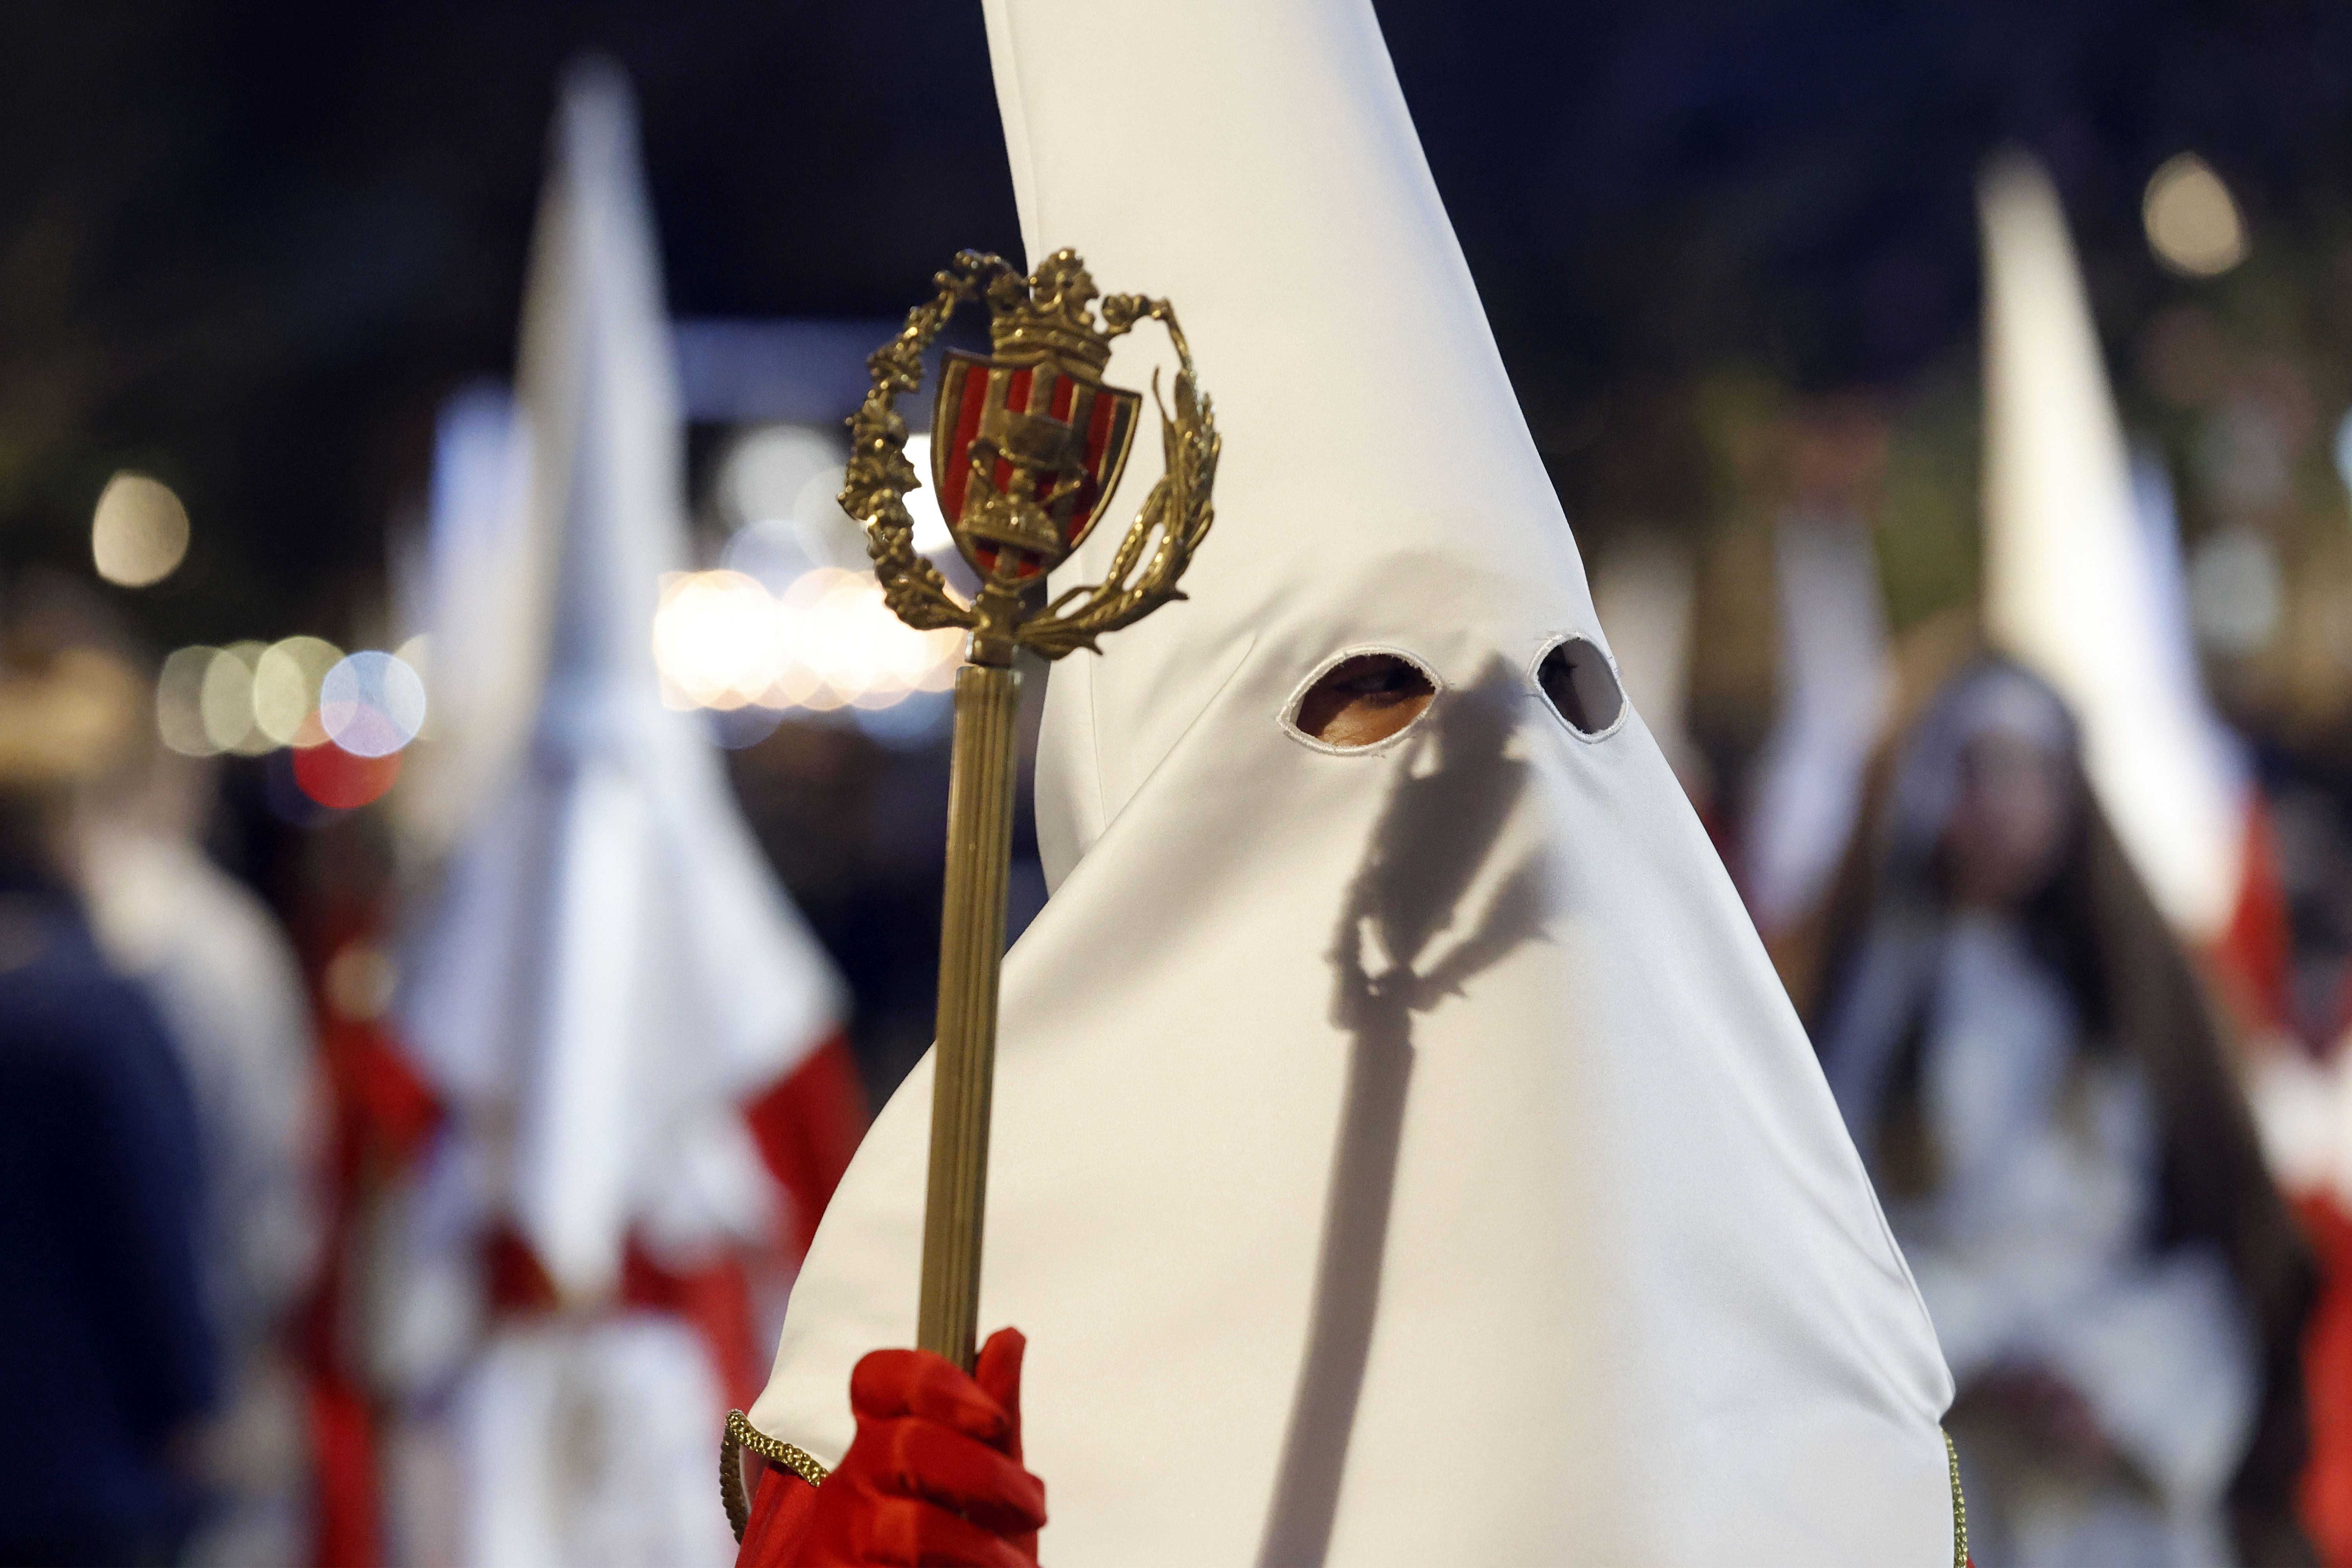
(249, 247)
(1730, 249)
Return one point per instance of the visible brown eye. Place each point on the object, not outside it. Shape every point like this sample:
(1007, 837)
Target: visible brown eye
(1578, 682)
(1364, 699)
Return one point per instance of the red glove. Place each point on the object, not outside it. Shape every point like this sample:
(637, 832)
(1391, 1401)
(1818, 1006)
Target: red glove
(933, 1478)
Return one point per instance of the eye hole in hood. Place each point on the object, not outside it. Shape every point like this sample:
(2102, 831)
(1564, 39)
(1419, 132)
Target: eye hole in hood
(1362, 700)
(1577, 678)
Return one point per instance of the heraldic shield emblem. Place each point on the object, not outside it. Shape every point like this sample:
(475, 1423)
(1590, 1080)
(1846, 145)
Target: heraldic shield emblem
(1024, 455)
(1027, 446)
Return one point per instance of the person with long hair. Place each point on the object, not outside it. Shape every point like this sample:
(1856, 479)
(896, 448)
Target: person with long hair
(2041, 1091)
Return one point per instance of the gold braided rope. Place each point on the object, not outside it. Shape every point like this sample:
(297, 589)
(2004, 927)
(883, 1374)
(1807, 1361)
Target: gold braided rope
(740, 1436)
(1959, 1507)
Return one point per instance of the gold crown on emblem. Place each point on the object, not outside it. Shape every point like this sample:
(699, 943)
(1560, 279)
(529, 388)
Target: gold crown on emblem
(1047, 315)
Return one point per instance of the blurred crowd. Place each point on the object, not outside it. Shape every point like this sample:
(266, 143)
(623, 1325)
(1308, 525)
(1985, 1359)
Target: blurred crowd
(414, 1102)
(2021, 717)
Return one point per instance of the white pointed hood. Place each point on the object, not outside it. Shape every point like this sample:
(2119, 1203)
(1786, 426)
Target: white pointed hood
(608, 966)
(480, 592)
(2072, 586)
(1407, 1154)
(1835, 683)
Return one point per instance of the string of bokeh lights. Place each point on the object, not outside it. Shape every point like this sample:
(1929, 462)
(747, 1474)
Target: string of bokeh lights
(723, 641)
(345, 718)
(793, 620)
(782, 625)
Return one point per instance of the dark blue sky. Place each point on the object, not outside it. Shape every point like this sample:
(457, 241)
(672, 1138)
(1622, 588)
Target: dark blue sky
(251, 246)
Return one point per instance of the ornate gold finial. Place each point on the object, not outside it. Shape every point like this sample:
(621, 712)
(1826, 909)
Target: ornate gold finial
(1027, 445)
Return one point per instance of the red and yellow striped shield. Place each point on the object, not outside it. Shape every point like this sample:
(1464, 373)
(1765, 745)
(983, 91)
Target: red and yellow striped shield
(1033, 428)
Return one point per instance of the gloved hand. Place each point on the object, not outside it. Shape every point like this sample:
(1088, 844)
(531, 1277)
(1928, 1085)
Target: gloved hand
(933, 1478)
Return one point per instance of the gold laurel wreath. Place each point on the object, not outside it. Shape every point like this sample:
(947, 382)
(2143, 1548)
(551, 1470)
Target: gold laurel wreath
(1178, 510)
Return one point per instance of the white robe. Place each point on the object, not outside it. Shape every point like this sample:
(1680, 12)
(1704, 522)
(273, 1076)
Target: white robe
(2035, 1247)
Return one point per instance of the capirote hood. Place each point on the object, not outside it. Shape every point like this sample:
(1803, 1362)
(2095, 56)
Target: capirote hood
(1403, 1154)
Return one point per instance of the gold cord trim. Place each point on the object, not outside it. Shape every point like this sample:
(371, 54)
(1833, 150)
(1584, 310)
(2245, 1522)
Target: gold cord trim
(1959, 1507)
(740, 1436)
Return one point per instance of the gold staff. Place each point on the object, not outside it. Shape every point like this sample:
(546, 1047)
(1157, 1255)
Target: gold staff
(1027, 445)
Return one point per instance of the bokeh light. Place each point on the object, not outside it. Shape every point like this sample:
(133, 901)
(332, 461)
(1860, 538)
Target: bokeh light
(2192, 220)
(829, 641)
(714, 638)
(226, 701)
(249, 699)
(139, 535)
(360, 980)
(286, 681)
(180, 701)
(371, 705)
(767, 468)
(341, 780)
